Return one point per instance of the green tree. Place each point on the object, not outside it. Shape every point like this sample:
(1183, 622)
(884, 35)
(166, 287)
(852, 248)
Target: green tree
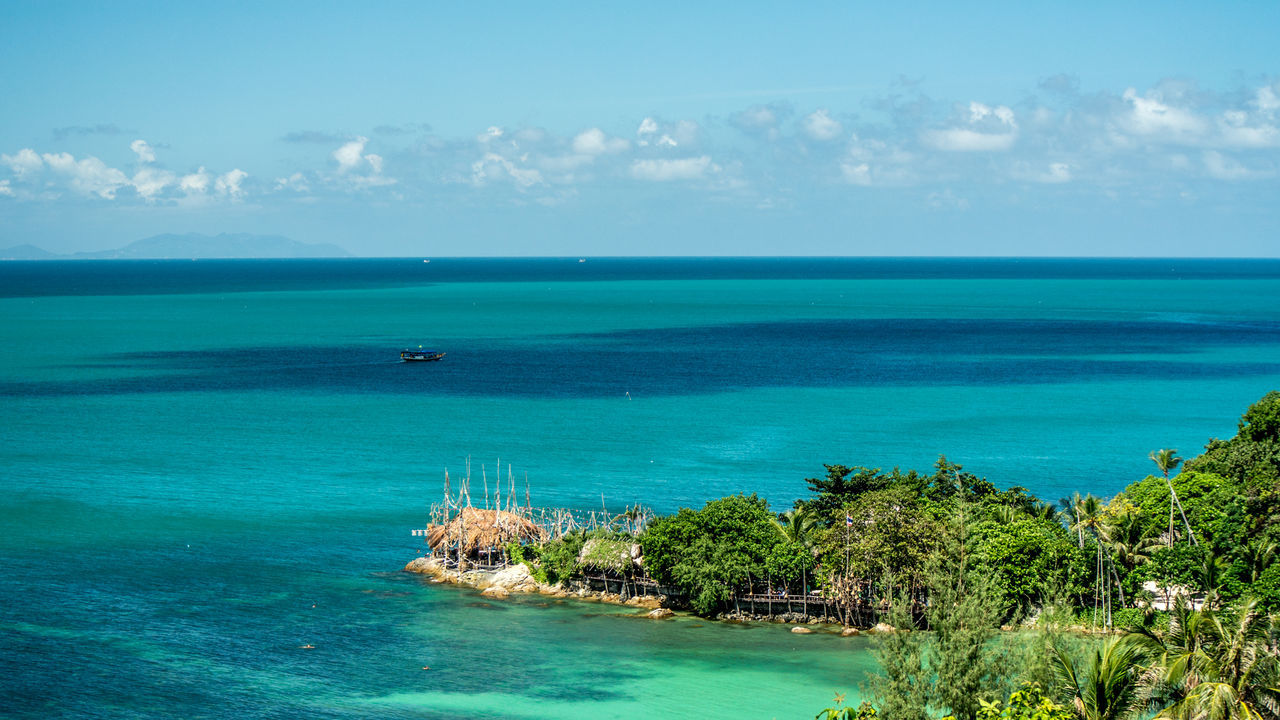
(1105, 685)
(901, 687)
(712, 553)
(797, 525)
(1261, 422)
(1025, 558)
(964, 613)
(1167, 460)
(1214, 665)
(1029, 703)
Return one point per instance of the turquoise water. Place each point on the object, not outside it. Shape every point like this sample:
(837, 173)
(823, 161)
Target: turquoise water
(195, 454)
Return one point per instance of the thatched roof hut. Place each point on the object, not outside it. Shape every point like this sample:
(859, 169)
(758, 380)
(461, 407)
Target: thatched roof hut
(478, 529)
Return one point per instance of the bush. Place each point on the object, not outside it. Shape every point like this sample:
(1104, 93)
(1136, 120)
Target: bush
(1140, 618)
(1267, 589)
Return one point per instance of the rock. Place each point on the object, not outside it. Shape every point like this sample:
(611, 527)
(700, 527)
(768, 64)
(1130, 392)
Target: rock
(882, 628)
(495, 591)
(515, 578)
(849, 632)
(645, 601)
(424, 565)
(801, 630)
(660, 613)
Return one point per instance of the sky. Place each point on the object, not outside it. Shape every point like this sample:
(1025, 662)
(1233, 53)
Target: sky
(554, 129)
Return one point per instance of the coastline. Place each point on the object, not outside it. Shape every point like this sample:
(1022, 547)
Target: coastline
(516, 579)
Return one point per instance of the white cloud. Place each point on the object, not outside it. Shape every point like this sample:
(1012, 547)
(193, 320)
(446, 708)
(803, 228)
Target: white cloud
(595, 142)
(985, 129)
(663, 170)
(25, 161)
(149, 182)
(5, 190)
(89, 176)
(966, 140)
(1149, 115)
(682, 133)
(1222, 167)
(143, 150)
(859, 174)
(1058, 173)
(1267, 99)
(229, 184)
(1239, 129)
(296, 182)
(350, 154)
(819, 125)
(757, 116)
(196, 183)
(493, 165)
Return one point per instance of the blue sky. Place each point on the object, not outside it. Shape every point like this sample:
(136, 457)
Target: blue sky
(659, 129)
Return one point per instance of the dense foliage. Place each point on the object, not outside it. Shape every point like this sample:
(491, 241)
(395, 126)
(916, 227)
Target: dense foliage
(1182, 562)
(1207, 529)
(715, 551)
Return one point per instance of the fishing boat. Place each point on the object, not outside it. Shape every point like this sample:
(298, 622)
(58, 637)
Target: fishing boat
(420, 355)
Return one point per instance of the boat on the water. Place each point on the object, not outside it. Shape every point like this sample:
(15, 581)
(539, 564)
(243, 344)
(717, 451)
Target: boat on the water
(420, 355)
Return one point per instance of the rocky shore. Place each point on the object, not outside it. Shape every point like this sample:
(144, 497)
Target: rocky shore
(518, 579)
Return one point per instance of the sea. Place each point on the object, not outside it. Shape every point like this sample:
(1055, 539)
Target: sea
(211, 471)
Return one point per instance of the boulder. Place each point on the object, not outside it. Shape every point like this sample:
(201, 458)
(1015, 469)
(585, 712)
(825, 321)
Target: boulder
(660, 613)
(882, 628)
(801, 630)
(849, 632)
(495, 591)
(645, 601)
(515, 578)
(424, 565)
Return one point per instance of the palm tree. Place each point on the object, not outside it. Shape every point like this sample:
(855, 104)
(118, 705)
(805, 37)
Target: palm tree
(797, 526)
(1005, 515)
(1126, 543)
(1088, 513)
(1210, 668)
(1210, 575)
(1259, 554)
(1105, 686)
(1167, 460)
(1125, 534)
(1069, 506)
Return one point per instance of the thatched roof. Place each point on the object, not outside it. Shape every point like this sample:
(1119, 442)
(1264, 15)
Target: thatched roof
(606, 554)
(478, 529)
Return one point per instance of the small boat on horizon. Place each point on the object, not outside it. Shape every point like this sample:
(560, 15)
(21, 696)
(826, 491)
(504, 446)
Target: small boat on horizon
(420, 355)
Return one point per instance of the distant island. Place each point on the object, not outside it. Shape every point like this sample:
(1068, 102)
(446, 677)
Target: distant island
(190, 246)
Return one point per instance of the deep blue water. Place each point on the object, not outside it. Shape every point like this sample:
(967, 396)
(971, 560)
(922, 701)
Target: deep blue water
(144, 277)
(197, 453)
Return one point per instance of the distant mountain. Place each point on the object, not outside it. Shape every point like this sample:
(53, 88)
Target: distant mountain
(26, 252)
(225, 245)
(191, 245)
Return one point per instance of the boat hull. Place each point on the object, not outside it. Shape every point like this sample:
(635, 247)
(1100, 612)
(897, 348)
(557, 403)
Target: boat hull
(420, 356)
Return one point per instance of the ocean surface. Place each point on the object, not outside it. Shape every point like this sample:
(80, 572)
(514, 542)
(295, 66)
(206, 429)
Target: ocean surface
(206, 465)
